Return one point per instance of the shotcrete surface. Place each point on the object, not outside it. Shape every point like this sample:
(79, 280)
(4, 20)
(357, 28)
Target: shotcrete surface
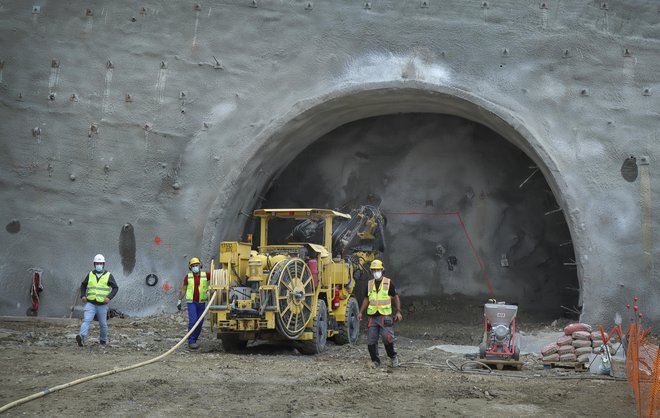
(169, 121)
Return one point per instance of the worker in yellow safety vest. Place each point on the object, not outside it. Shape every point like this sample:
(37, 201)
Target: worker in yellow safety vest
(195, 287)
(98, 287)
(378, 304)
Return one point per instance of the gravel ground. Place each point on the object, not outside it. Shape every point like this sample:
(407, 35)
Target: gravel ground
(274, 380)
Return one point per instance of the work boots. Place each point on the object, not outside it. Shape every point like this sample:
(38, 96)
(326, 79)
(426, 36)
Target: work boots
(79, 340)
(394, 361)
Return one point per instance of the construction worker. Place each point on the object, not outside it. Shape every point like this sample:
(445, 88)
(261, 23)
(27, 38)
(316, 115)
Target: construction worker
(378, 304)
(194, 289)
(96, 291)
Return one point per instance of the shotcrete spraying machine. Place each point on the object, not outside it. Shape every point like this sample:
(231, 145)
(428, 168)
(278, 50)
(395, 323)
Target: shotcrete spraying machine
(300, 289)
(500, 345)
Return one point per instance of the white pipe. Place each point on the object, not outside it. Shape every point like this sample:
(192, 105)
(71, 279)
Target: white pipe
(109, 372)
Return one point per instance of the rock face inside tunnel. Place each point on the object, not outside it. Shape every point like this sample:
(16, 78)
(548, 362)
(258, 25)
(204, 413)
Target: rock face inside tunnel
(466, 210)
(177, 118)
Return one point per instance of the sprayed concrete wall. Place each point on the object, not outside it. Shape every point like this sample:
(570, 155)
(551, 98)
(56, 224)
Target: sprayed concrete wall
(143, 131)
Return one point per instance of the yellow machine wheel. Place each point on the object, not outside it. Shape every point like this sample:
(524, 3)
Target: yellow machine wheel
(320, 330)
(294, 296)
(349, 331)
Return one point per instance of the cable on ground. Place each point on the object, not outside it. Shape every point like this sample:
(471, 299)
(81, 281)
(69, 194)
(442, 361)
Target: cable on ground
(450, 365)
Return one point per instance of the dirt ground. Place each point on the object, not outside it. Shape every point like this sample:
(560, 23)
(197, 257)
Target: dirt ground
(274, 380)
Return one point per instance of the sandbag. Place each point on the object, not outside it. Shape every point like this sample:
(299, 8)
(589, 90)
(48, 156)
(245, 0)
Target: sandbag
(571, 328)
(551, 357)
(566, 349)
(550, 349)
(596, 336)
(598, 348)
(584, 358)
(568, 357)
(596, 343)
(565, 340)
(581, 343)
(582, 350)
(581, 335)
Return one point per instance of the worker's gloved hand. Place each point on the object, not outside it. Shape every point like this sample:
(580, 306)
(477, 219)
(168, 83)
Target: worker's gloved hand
(178, 305)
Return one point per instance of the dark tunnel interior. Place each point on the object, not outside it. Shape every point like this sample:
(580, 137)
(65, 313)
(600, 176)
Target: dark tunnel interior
(468, 213)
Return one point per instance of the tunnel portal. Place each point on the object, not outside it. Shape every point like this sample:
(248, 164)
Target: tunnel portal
(468, 213)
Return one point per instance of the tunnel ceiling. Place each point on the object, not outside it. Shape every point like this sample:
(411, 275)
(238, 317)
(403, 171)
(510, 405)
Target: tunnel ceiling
(457, 196)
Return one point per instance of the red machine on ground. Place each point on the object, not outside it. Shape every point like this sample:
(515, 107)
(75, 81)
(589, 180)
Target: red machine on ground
(35, 289)
(499, 341)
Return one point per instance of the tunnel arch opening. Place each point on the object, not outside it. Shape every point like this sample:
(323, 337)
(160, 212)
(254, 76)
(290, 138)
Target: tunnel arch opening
(343, 115)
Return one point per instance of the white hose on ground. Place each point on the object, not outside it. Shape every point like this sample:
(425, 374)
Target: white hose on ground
(109, 372)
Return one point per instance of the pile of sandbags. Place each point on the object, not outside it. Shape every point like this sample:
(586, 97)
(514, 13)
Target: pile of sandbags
(574, 346)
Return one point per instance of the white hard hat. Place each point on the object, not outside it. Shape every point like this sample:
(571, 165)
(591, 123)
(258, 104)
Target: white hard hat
(98, 258)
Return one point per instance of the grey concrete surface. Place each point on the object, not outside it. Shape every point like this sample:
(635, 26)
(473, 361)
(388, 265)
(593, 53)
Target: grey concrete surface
(143, 133)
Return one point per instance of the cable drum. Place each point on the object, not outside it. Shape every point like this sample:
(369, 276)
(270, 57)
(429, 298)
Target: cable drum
(294, 296)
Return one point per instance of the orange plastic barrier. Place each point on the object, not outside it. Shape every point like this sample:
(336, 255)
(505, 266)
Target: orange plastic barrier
(643, 367)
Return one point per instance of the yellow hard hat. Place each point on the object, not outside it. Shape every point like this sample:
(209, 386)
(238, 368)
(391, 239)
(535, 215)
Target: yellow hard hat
(377, 265)
(194, 260)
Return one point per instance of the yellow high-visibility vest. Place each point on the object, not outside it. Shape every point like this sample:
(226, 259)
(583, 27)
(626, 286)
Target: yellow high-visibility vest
(203, 287)
(98, 289)
(379, 300)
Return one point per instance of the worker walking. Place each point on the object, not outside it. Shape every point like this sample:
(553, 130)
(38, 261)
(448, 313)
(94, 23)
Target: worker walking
(378, 304)
(96, 290)
(194, 289)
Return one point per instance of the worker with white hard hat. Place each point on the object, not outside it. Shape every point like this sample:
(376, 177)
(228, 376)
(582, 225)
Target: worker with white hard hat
(378, 304)
(96, 290)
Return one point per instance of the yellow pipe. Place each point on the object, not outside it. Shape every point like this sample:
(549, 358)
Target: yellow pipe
(109, 372)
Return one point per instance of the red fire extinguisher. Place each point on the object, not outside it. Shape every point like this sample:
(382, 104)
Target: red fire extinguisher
(335, 300)
(35, 289)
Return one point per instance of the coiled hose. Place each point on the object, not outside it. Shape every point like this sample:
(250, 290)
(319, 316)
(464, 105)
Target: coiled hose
(109, 372)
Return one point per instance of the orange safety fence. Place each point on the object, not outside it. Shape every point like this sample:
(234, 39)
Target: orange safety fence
(643, 371)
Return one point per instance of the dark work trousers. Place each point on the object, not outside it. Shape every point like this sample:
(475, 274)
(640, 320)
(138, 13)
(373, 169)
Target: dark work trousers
(383, 326)
(195, 310)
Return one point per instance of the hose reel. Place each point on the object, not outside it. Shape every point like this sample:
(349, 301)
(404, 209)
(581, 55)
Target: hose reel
(294, 296)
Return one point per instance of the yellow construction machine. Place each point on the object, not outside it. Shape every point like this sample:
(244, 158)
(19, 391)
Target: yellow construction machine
(300, 287)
